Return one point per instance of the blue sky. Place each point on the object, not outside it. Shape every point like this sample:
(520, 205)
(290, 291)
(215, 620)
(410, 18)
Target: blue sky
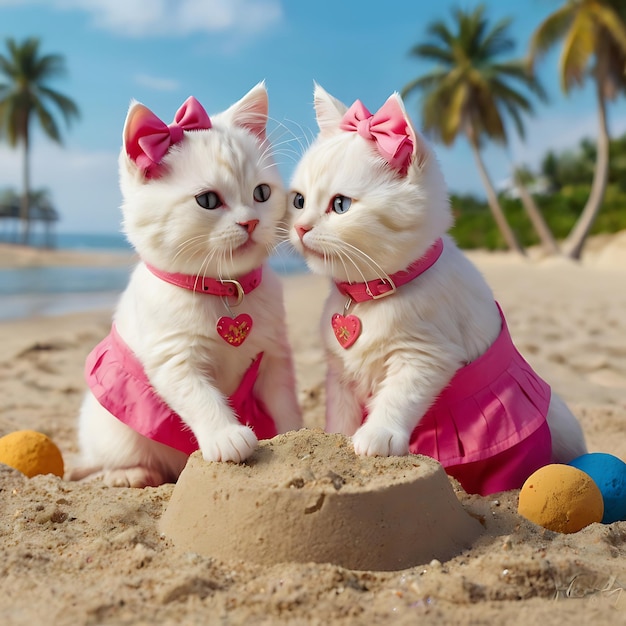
(161, 51)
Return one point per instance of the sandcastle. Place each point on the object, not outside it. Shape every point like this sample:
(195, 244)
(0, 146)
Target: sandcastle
(305, 496)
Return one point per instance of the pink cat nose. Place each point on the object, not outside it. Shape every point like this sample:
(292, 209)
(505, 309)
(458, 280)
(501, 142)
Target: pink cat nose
(250, 225)
(301, 230)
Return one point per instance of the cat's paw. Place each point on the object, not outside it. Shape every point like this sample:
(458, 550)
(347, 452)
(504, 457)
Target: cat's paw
(134, 477)
(371, 440)
(233, 443)
(120, 477)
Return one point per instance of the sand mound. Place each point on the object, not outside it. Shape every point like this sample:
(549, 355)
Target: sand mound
(613, 253)
(305, 496)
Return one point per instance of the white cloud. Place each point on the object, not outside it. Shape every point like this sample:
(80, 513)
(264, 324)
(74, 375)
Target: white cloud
(83, 185)
(145, 18)
(156, 83)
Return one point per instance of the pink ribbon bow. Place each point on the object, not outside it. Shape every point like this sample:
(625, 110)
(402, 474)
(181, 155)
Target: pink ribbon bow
(387, 128)
(150, 138)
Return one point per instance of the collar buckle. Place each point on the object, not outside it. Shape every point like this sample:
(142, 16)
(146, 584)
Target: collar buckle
(239, 292)
(381, 294)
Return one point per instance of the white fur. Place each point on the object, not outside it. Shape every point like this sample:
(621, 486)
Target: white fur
(172, 330)
(412, 342)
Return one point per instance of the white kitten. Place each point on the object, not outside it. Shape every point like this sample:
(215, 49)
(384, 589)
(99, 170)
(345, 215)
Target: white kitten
(370, 204)
(202, 204)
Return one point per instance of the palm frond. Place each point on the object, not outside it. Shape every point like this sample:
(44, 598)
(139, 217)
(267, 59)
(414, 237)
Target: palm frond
(578, 48)
(497, 41)
(614, 26)
(511, 98)
(473, 87)
(433, 52)
(65, 105)
(427, 82)
(438, 31)
(551, 31)
(26, 91)
(47, 122)
(514, 114)
(519, 70)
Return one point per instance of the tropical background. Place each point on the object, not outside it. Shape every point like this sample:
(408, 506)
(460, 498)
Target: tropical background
(468, 79)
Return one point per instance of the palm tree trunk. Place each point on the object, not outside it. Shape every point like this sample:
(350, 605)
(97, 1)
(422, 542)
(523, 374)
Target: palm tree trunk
(548, 242)
(494, 205)
(25, 200)
(578, 236)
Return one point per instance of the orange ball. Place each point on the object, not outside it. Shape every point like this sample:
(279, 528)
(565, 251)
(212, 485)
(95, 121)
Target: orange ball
(561, 498)
(31, 453)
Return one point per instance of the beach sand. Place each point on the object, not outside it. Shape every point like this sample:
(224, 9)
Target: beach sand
(82, 553)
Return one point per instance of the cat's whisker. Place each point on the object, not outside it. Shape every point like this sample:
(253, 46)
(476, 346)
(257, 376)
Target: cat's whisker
(206, 262)
(286, 248)
(291, 155)
(380, 272)
(275, 147)
(330, 252)
(282, 231)
(190, 245)
(308, 134)
(341, 254)
(182, 247)
(279, 127)
(220, 263)
(266, 158)
(344, 251)
(298, 139)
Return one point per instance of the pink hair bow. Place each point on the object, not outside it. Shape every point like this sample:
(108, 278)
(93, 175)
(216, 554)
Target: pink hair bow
(150, 139)
(387, 128)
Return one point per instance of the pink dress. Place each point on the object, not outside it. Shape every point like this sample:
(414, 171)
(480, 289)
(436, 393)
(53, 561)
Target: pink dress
(118, 381)
(488, 426)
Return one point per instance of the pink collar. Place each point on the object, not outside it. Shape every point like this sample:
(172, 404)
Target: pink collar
(213, 286)
(381, 287)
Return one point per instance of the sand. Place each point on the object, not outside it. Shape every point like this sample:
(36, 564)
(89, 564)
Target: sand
(82, 553)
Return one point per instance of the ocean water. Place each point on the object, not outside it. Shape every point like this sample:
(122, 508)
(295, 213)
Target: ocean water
(31, 291)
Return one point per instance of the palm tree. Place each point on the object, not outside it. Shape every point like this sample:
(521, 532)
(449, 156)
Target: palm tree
(25, 95)
(470, 92)
(594, 45)
(540, 225)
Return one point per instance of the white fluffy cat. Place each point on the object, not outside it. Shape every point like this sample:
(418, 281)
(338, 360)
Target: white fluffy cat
(369, 203)
(199, 335)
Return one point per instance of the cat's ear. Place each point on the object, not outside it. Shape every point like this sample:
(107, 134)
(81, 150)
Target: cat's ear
(251, 111)
(328, 111)
(420, 149)
(140, 120)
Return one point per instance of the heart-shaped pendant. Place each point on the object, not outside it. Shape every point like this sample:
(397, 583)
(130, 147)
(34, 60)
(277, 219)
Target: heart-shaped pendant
(234, 331)
(347, 329)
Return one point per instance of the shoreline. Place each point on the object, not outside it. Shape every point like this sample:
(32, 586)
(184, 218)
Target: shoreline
(17, 256)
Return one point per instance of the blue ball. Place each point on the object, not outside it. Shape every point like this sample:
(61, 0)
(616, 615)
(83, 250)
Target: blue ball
(609, 473)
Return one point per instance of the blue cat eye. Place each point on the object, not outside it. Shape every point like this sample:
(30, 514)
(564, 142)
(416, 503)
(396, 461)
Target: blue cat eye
(340, 204)
(209, 200)
(262, 193)
(298, 201)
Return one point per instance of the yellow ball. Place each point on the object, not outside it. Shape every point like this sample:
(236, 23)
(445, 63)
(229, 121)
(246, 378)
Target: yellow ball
(561, 498)
(31, 453)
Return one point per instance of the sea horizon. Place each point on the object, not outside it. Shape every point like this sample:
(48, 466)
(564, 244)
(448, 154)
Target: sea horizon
(29, 291)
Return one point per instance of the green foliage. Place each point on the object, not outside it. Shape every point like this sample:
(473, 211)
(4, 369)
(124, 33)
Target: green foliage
(571, 167)
(570, 173)
(475, 227)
